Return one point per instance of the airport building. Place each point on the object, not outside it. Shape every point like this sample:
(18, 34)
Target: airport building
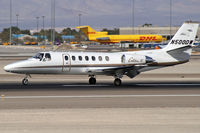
(164, 31)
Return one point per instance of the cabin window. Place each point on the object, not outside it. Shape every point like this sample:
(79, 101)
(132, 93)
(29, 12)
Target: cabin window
(93, 58)
(47, 57)
(100, 58)
(73, 58)
(86, 58)
(39, 56)
(66, 58)
(107, 58)
(80, 58)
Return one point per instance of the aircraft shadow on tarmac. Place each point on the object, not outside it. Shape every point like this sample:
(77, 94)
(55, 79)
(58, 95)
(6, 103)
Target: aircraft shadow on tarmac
(100, 86)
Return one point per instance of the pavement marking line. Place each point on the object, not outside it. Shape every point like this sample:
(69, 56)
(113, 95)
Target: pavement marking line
(85, 85)
(134, 84)
(170, 84)
(99, 96)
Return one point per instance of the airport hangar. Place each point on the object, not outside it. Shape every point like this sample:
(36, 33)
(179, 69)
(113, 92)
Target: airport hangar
(164, 31)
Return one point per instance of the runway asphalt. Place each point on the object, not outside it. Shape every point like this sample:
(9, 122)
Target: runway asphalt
(80, 95)
(74, 107)
(160, 101)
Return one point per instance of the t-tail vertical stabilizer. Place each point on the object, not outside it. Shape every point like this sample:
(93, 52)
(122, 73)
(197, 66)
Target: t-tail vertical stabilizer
(180, 46)
(91, 33)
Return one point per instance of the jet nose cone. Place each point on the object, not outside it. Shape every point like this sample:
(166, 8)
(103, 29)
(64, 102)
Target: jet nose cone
(15, 67)
(8, 68)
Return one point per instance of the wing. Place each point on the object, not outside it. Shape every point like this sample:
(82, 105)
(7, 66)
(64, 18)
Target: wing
(130, 71)
(103, 38)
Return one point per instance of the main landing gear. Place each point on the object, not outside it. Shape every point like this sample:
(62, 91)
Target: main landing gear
(92, 80)
(117, 82)
(25, 80)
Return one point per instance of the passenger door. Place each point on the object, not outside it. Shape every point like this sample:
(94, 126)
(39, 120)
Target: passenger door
(66, 63)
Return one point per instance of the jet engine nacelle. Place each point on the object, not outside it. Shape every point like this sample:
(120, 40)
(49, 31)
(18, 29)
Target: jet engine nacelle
(136, 59)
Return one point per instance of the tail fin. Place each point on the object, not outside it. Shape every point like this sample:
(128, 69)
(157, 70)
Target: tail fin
(180, 46)
(184, 37)
(89, 32)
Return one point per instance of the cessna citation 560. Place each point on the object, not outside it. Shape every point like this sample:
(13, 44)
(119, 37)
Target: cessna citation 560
(116, 64)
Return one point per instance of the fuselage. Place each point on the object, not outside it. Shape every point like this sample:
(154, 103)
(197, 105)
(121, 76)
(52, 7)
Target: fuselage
(129, 38)
(103, 37)
(89, 63)
(70, 63)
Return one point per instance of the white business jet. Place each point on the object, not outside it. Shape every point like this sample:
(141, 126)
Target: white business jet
(116, 64)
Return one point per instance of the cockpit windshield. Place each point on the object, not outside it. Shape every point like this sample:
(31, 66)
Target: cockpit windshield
(38, 56)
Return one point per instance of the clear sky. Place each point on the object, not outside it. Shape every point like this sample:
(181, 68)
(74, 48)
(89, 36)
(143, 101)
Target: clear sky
(99, 13)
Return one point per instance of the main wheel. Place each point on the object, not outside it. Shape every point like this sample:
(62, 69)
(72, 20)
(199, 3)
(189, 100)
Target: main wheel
(92, 81)
(117, 82)
(25, 81)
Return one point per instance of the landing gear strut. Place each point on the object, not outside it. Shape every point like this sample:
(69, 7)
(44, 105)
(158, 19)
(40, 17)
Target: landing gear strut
(92, 80)
(117, 82)
(118, 76)
(25, 80)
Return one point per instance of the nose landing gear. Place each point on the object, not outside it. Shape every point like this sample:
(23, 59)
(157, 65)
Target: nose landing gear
(25, 80)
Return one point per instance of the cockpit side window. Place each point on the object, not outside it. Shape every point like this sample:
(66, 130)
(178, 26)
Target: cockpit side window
(39, 56)
(47, 57)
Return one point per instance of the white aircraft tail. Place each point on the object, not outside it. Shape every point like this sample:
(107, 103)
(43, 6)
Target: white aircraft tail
(185, 36)
(180, 46)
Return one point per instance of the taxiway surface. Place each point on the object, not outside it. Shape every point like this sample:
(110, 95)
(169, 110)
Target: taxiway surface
(102, 95)
(165, 100)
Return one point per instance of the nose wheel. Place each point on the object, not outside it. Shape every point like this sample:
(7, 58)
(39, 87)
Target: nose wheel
(25, 80)
(92, 80)
(117, 82)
